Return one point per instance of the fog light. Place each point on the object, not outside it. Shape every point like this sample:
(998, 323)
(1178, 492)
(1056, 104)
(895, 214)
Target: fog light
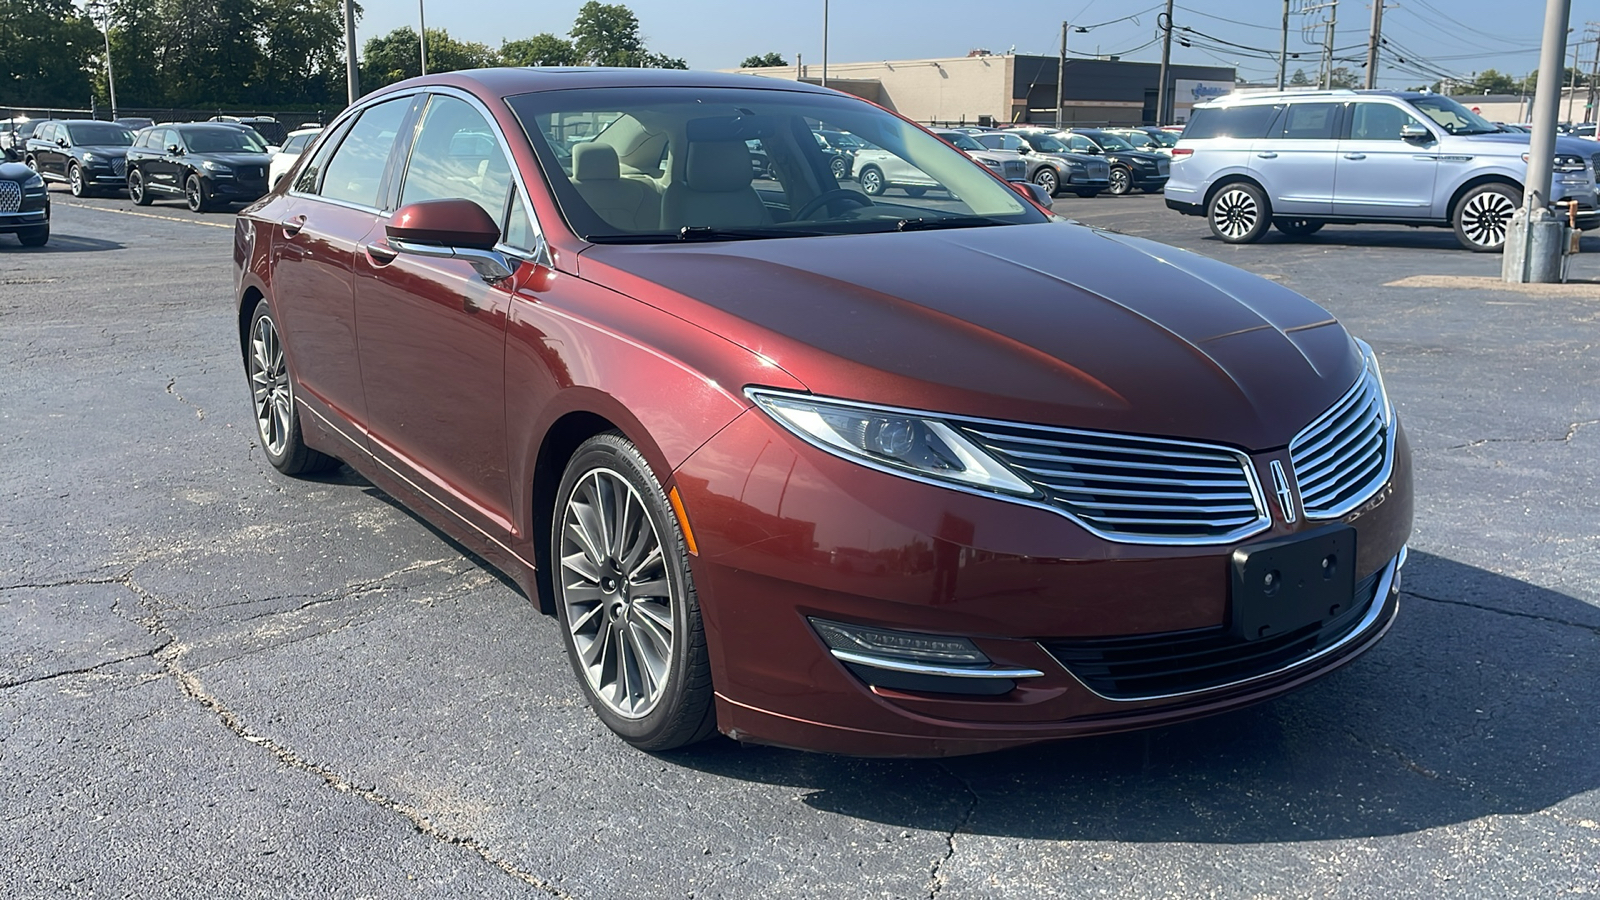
(899, 645)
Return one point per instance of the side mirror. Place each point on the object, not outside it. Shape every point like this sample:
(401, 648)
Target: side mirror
(1034, 192)
(61, 142)
(450, 229)
(174, 150)
(1025, 150)
(1411, 131)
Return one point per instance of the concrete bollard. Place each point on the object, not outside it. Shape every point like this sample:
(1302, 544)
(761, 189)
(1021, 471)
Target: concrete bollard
(1535, 248)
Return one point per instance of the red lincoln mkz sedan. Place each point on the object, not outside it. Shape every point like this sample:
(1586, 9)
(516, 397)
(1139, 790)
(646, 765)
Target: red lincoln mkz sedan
(914, 475)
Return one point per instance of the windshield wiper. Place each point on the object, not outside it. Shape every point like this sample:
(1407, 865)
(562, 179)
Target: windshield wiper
(927, 224)
(708, 233)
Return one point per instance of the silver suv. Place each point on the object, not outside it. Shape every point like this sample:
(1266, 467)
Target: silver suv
(1299, 160)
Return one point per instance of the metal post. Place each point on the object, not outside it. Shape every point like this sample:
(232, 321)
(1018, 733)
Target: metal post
(1327, 51)
(111, 78)
(422, 40)
(351, 70)
(1533, 242)
(1594, 72)
(1162, 93)
(1372, 44)
(1061, 75)
(1283, 46)
(1572, 85)
(824, 43)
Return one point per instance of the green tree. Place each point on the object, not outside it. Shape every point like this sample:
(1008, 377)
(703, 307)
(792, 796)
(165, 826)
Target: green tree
(607, 34)
(47, 49)
(1342, 77)
(1491, 82)
(1299, 79)
(394, 56)
(302, 59)
(209, 54)
(764, 61)
(540, 50)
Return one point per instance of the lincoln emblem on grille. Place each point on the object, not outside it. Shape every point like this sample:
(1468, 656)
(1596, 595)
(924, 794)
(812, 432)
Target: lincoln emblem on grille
(1280, 486)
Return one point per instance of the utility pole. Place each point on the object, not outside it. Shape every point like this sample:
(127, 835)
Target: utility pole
(1572, 81)
(824, 43)
(351, 70)
(1372, 44)
(1163, 93)
(1589, 102)
(1327, 53)
(1061, 75)
(1534, 239)
(111, 78)
(1283, 46)
(422, 40)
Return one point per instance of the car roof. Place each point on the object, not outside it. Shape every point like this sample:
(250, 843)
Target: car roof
(507, 82)
(1251, 97)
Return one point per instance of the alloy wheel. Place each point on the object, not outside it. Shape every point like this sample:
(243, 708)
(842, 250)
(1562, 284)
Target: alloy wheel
(75, 181)
(619, 598)
(1235, 213)
(1121, 183)
(1485, 218)
(1046, 178)
(269, 384)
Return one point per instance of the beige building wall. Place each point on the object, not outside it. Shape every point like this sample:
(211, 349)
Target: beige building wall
(924, 90)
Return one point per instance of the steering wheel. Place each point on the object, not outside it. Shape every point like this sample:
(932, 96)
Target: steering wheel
(826, 197)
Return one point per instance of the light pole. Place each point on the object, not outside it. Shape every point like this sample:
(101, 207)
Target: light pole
(422, 26)
(824, 43)
(105, 31)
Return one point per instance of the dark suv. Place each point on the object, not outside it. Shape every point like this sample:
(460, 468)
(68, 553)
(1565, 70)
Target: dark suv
(206, 164)
(24, 204)
(88, 155)
(1130, 168)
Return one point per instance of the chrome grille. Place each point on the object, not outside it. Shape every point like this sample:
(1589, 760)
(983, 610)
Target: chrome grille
(1134, 489)
(119, 167)
(1343, 456)
(10, 196)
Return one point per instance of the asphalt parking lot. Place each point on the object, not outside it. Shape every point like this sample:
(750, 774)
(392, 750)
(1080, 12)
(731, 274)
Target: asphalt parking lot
(215, 680)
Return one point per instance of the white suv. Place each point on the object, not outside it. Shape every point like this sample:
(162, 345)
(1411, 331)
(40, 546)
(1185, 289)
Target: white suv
(1299, 160)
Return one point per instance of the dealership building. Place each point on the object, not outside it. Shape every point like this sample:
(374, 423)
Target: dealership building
(991, 89)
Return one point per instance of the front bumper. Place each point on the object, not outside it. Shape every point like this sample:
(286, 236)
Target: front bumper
(238, 190)
(34, 212)
(799, 535)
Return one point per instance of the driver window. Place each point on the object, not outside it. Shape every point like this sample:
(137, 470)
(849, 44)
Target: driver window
(1077, 143)
(457, 155)
(1378, 122)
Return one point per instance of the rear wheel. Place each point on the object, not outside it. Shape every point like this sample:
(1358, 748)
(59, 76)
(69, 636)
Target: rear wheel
(629, 614)
(272, 390)
(840, 168)
(1238, 213)
(1047, 178)
(1088, 192)
(915, 191)
(872, 181)
(1298, 227)
(136, 189)
(1484, 215)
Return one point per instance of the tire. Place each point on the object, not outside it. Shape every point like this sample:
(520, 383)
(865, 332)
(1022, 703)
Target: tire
(1047, 178)
(1484, 214)
(872, 183)
(914, 191)
(1298, 227)
(272, 401)
(1238, 213)
(196, 194)
(612, 620)
(136, 191)
(1086, 193)
(75, 181)
(33, 164)
(1121, 181)
(35, 237)
(840, 168)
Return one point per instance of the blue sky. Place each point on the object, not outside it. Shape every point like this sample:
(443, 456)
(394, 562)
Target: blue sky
(1452, 36)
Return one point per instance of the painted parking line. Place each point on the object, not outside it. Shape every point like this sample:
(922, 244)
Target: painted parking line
(142, 215)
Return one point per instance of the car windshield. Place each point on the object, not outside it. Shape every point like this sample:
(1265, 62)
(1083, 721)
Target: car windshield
(100, 135)
(661, 164)
(224, 140)
(1161, 138)
(1452, 116)
(960, 141)
(1044, 143)
(1110, 142)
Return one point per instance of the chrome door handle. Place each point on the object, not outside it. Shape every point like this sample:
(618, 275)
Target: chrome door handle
(1355, 156)
(381, 253)
(1267, 155)
(293, 226)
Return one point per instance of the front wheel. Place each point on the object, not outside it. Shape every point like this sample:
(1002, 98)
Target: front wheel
(629, 614)
(75, 181)
(1121, 181)
(272, 390)
(1238, 213)
(872, 181)
(37, 236)
(196, 194)
(1484, 215)
(840, 168)
(1047, 178)
(1298, 227)
(136, 189)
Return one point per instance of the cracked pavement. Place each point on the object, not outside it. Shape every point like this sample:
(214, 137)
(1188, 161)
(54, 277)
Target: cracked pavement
(216, 680)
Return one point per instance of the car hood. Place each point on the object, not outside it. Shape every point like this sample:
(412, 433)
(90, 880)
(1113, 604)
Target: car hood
(1050, 323)
(105, 149)
(14, 171)
(1146, 155)
(1072, 157)
(1565, 143)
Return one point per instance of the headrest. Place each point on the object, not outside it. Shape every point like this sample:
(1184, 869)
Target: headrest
(594, 162)
(718, 166)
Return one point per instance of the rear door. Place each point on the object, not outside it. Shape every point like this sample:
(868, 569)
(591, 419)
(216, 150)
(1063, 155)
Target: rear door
(1379, 174)
(1296, 162)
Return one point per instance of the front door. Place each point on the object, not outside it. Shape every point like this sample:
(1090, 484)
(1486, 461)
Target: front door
(433, 333)
(1380, 174)
(1295, 163)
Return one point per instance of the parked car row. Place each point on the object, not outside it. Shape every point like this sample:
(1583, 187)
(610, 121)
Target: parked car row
(205, 164)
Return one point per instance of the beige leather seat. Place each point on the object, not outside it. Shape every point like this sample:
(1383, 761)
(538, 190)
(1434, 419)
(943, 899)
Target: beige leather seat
(627, 204)
(714, 190)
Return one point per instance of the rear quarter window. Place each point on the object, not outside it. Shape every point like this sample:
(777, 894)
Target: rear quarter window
(1231, 121)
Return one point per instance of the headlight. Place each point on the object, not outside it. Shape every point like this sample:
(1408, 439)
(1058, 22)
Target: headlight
(892, 440)
(90, 158)
(1569, 162)
(1075, 165)
(1376, 375)
(33, 181)
(216, 167)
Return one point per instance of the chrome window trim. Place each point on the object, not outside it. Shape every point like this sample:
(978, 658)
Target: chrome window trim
(1380, 599)
(1262, 522)
(1378, 480)
(895, 665)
